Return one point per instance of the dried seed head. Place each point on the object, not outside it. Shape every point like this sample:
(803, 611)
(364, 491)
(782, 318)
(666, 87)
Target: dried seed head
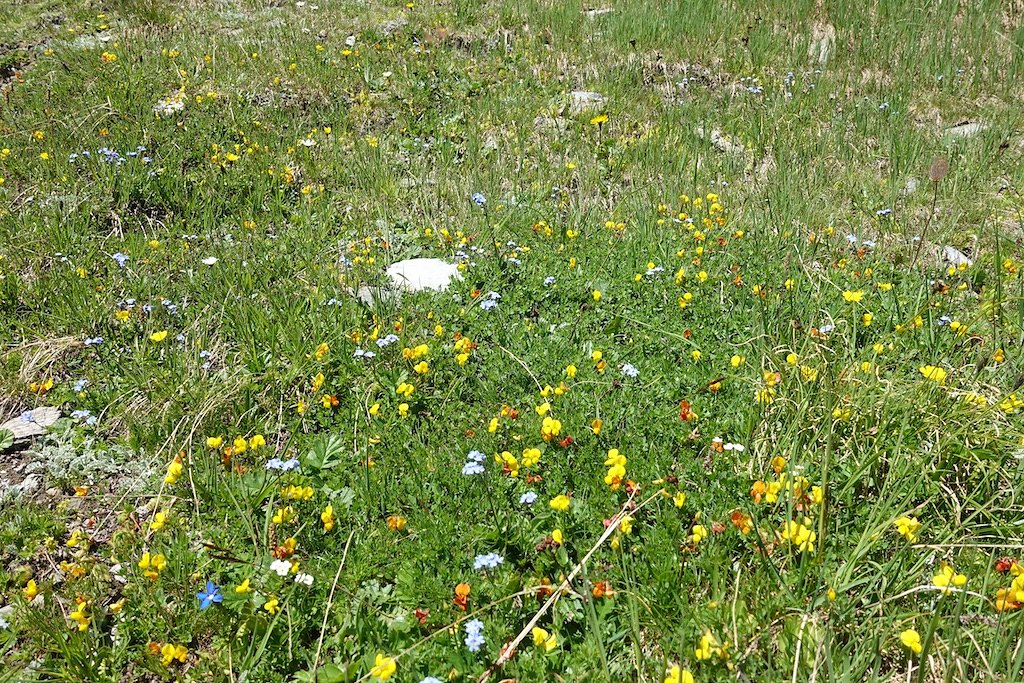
(939, 169)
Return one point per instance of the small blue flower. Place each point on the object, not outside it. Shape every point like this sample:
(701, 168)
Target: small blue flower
(209, 596)
(27, 416)
(431, 679)
(121, 259)
(472, 468)
(359, 353)
(79, 385)
(488, 561)
(883, 212)
(528, 498)
(549, 280)
(479, 199)
(488, 305)
(474, 635)
(630, 370)
(476, 456)
(387, 341)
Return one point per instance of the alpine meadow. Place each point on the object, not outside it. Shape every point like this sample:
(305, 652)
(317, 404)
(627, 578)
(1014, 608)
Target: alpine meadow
(511, 341)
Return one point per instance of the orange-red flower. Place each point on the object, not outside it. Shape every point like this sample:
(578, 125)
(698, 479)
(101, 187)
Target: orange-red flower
(462, 596)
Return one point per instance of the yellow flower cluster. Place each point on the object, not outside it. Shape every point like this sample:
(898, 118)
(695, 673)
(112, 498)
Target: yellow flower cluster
(292, 492)
(799, 534)
(616, 464)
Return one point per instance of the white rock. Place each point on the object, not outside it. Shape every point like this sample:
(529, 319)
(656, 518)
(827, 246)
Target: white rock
(584, 100)
(955, 257)
(414, 275)
(966, 129)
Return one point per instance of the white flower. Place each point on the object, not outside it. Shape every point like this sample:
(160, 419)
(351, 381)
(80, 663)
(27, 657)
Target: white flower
(209, 260)
(170, 105)
(304, 579)
(281, 567)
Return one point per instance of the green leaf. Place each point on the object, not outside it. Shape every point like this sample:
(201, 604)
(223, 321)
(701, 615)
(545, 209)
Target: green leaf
(325, 453)
(6, 439)
(330, 673)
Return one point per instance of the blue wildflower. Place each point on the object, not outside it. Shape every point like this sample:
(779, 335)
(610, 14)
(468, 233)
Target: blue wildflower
(209, 596)
(472, 468)
(474, 635)
(487, 561)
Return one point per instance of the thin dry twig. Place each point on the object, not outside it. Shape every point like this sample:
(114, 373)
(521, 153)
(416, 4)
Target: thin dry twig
(509, 650)
(330, 602)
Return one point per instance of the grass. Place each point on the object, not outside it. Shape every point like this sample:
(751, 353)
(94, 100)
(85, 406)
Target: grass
(730, 274)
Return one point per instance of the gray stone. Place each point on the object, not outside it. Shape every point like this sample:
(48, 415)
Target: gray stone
(42, 417)
(30, 484)
(584, 100)
(823, 39)
(966, 129)
(720, 141)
